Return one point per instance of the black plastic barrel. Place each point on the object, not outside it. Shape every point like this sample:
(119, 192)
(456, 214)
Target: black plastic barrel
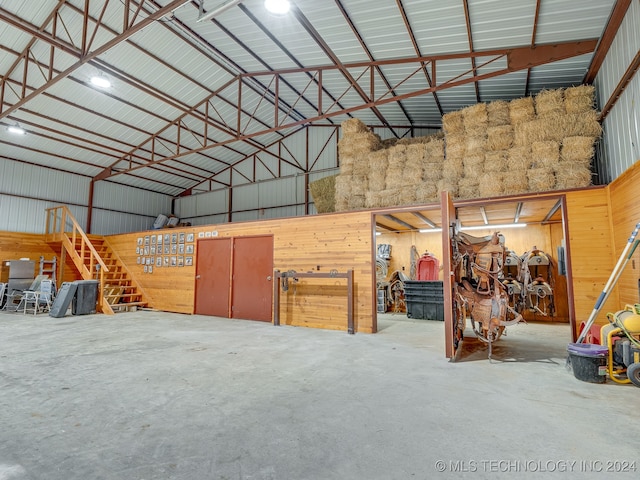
(588, 361)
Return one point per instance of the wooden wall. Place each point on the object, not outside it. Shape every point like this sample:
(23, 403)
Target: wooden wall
(331, 242)
(625, 214)
(14, 246)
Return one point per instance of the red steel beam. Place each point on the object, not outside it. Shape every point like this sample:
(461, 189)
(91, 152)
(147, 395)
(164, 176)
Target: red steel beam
(632, 69)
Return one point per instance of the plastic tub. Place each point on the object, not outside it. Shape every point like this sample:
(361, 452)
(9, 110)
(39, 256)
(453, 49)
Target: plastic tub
(588, 362)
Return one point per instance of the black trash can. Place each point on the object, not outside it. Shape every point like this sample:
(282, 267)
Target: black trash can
(86, 297)
(588, 362)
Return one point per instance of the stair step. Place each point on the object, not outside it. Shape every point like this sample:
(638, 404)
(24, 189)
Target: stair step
(123, 295)
(127, 307)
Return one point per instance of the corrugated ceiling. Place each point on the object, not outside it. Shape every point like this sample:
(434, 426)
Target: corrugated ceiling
(178, 113)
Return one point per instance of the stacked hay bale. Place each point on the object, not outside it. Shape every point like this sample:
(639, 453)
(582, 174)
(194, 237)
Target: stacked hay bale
(499, 141)
(378, 165)
(521, 111)
(452, 169)
(354, 148)
(323, 193)
(476, 121)
(432, 170)
(576, 152)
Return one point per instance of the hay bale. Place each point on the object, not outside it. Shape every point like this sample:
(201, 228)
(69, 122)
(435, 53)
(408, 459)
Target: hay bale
(415, 153)
(407, 195)
(356, 202)
(377, 180)
(573, 125)
(390, 197)
(361, 167)
(413, 173)
(342, 187)
(579, 99)
(474, 165)
(519, 158)
(395, 178)
(453, 123)
(498, 113)
(522, 110)
(469, 187)
(388, 142)
(358, 144)
(426, 192)
(499, 138)
(372, 199)
(476, 143)
(453, 169)
(515, 181)
(541, 179)
(353, 125)
(550, 102)
(495, 161)
(572, 176)
(578, 149)
(491, 184)
(323, 192)
(359, 185)
(455, 146)
(378, 161)
(545, 154)
(475, 117)
(447, 185)
(431, 172)
(346, 168)
(434, 151)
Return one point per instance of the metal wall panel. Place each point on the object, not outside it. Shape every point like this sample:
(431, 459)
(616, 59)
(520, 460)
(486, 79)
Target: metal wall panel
(620, 145)
(114, 196)
(105, 222)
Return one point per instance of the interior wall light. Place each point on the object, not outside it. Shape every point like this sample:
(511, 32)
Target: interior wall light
(16, 129)
(278, 7)
(100, 81)
(223, 7)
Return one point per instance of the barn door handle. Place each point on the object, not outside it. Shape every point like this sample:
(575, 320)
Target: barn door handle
(268, 278)
(197, 277)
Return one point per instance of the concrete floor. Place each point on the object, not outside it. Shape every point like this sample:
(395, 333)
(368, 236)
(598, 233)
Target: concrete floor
(150, 395)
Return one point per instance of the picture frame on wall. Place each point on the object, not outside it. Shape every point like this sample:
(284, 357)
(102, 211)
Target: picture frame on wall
(139, 241)
(190, 237)
(181, 237)
(167, 237)
(153, 249)
(181, 261)
(188, 261)
(149, 260)
(167, 248)
(146, 269)
(159, 238)
(146, 250)
(174, 248)
(181, 248)
(200, 234)
(138, 260)
(150, 269)
(158, 261)
(146, 239)
(153, 239)
(189, 250)
(174, 238)
(174, 261)
(166, 261)
(137, 250)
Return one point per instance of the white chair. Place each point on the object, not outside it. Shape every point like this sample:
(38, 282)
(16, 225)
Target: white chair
(37, 301)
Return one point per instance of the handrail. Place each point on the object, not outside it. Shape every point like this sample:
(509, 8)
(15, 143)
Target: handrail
(55, 231)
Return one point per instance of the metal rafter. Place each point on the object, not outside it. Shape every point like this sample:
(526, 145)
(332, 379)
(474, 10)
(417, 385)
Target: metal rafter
(519, 58)
(534, 34)
(467, 19)
(130, 26)
(416, 47)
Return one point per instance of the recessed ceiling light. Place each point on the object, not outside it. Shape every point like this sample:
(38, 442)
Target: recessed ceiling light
(100, 81)
(279, 7)
(16, 129)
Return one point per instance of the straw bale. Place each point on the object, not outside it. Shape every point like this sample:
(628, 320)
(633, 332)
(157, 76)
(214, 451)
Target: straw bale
(579, 99)
(359, 184)
(453, 123)
(499, 138)
(341, 205)
(550, 102)
(475, 117)
(353, 125)
(475, 160)
(476, 143)
(395, 178)
(469, 187)
(453, 169)
(491, 185)
(521, 110)
(571, 176)
(447, 185)
(541, 179)
(545, 154)
(361, 167)
(578, 149)
(519, 158)
(390, 197)
(388, 142)
(426, 192)
(413, 173)
(432, 171)
(584, 124)
(372, 199)
(346, 168)
(455, 146)
(378, 161)
(407, 195)
(415, 153)
(434, 150)
(496, 161)
(474, 170)
(356, 202)
(377, 180)
(343, 186)
(515, 181)
(498, 113)
(323, 192)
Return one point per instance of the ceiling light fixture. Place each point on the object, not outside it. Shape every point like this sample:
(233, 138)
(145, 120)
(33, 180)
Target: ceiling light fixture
(277, 7)
(223, 7)
(16, 129)
(100, 81)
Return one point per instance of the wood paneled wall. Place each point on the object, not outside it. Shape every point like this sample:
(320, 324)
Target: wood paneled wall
(331, 242)
(625, 214)
(14, 245)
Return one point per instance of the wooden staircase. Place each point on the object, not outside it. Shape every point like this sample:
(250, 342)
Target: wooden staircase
(95, 260)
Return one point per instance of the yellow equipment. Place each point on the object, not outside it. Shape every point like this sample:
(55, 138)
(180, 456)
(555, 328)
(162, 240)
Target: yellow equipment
(622, 338)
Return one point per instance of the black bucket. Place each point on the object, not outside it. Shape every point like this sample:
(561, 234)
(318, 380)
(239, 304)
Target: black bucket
(588, 361)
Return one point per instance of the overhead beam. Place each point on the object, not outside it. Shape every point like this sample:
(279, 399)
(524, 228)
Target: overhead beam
(518, 58)
(424, 219)
(399, 222)
(128, 31)
(609, 34)
(631, 71)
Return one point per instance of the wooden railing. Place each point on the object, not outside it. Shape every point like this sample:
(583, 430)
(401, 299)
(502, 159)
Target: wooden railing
(63, 227)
